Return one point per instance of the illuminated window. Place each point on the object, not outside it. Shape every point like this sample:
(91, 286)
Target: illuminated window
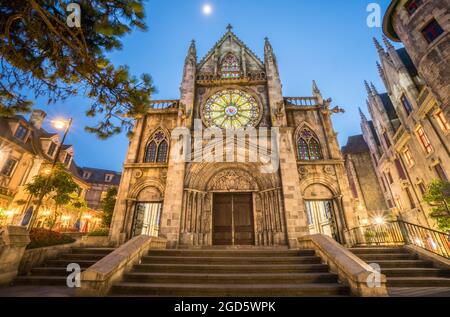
(442, 121)
(432, 31)
(8, 167)
(157, 149)
(308, 145)
(406, 105)
(231, 109)
(424, 140)
(408, 157)
(230, 67)
(412, 5)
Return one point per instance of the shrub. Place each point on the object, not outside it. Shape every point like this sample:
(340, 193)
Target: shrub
(41, 238)
(104, 232)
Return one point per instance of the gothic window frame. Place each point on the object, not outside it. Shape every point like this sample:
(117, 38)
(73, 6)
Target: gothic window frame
(308, 145)
(160, 153)
(233, 70)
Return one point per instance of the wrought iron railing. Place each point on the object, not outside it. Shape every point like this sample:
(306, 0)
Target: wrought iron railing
(399, 233)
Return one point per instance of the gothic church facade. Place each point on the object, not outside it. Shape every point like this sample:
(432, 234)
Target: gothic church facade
(204, 203)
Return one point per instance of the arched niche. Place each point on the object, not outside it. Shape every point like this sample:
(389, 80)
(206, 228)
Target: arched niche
(318, 191)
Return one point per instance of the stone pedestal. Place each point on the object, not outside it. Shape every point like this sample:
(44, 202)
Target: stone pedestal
(13, 241)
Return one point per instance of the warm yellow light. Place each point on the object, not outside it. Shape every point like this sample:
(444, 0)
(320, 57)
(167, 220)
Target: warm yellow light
(379, 220)
(65, 218)
(47, 171)
(364, 222)
(46, 213)
(87, 217)
(207, 9)
(59, 124)
(9, 213)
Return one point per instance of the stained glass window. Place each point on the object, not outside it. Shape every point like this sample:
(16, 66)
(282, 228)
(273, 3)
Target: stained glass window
(309, 148)
(231, 109)
(230, 67)
(157, 149)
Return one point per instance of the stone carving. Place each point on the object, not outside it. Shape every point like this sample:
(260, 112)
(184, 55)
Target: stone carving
(303, 171)
(232, 180)
(279, 109)
(329, 170)
(137, 173)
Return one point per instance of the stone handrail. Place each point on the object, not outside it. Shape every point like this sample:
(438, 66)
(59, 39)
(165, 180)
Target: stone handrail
(98, 279)
(352, 271)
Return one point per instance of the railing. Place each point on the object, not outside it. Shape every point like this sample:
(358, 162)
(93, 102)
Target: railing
(6, 192)
(399, 233)
(301, 101)
(252, 76)
(164, 104)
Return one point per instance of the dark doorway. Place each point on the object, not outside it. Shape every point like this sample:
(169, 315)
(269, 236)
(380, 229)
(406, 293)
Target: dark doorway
(233, 219)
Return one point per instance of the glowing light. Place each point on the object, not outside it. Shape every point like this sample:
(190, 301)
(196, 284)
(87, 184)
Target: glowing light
(9, 213)
(207, 9)
(47, 171)
(46, 213)
(379, 220)
(418, 242)
(364, 222)
(59, 124)
(65, 218)
(87, 217)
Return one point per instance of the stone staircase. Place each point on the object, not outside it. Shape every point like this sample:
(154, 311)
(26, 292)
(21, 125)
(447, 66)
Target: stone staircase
(54, 273)
(239, 273)
(403, 268)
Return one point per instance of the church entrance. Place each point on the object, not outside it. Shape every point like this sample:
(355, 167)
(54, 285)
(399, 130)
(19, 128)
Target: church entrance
(233, 219)
(320, 215)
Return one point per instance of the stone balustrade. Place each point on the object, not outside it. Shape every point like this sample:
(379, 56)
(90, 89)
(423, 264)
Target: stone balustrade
(99, 278)
(360, 277)
(13, 241)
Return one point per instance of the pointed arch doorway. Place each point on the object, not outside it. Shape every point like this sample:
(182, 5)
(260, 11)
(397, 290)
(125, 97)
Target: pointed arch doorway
(233, 219)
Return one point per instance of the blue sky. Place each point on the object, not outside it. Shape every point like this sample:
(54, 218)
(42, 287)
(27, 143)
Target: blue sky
(325, 40)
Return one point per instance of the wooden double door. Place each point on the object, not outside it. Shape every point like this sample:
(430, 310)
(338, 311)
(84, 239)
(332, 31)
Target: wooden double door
(233, 219)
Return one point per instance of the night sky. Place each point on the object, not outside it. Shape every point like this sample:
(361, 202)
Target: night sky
(325, 40)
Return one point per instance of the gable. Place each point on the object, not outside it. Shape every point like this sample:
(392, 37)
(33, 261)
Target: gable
(230, 44)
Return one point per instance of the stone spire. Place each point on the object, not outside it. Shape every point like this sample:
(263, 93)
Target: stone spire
(374, 89)
(380, 69)
(316, 92)
(362, 115)
(267, 46)
(378, 46)
(229, 28)
(369, 91)
(388, 43)
(192, 53)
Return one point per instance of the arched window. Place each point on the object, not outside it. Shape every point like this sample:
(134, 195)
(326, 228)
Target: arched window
(308, 145)
(230, 67)
(157, 148)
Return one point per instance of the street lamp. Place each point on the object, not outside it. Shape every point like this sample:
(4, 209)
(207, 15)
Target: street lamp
(379, 220)
(59, 124)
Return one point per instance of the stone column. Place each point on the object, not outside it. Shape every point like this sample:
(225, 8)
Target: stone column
(173, 199)
(13, 241)
(296, 222)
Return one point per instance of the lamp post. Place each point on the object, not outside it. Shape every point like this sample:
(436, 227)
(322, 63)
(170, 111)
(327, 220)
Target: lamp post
(59, 125)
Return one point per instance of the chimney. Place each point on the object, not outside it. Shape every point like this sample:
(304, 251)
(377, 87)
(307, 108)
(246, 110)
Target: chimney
(37, 118)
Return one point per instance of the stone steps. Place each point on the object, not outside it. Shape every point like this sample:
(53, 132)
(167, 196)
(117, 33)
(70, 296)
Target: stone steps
(216, 268)
(54, 271)
(241, 273)
(219, 290)
(424, 272)
(255, 278)
(404, 269)
(230, 260)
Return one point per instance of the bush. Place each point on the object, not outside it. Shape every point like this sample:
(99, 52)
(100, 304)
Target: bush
(104, 232)
(41, 238)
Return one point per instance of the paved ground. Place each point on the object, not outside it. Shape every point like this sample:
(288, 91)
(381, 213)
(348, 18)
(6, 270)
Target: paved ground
(33, 291)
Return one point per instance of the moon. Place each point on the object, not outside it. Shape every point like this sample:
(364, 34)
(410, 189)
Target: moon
(207, 9)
